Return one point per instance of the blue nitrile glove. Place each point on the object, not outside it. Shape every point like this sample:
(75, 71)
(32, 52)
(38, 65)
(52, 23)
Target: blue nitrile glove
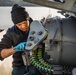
(20, 47)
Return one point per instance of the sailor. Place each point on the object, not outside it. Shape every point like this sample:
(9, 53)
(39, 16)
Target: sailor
(14, 41)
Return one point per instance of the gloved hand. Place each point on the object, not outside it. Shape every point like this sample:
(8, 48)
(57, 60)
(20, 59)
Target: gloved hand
(20, 47)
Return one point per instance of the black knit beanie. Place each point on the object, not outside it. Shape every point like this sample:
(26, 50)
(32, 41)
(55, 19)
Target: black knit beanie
(18, 14)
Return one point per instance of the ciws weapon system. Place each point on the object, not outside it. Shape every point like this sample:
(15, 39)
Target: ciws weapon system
(52, 42)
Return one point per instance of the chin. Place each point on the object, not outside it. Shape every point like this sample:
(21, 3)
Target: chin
(24, 30)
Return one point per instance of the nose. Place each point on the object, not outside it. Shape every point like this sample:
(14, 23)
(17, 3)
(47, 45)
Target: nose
(24, 25)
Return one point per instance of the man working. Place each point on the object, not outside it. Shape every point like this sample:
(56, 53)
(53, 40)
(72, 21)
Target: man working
(14, 41)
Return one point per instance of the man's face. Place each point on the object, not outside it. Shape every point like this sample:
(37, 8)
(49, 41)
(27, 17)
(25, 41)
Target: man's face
(24, 25)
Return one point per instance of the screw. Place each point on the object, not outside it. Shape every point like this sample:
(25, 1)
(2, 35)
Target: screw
(32, 32)
(31, 38)
(29, 44)
(40, 33)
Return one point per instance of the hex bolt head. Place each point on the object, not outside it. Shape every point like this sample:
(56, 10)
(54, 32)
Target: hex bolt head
(29, 44)
(32, 32)
(40, 33)
(31, 38)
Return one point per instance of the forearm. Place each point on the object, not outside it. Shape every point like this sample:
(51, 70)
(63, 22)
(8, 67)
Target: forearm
(7, 52)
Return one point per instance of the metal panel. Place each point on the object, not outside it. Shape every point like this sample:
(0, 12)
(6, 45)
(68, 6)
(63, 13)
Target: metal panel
(68, 5)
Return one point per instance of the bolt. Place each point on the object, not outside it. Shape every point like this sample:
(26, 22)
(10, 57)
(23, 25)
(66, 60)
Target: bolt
(31, 38)
(40, 33)
(29, 44)
(32, 32)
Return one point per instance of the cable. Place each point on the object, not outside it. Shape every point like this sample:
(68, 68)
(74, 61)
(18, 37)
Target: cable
(38, 62)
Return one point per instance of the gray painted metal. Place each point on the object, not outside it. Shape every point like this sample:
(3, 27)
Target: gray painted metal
(69, 5)
(64, 51)
(12, 2)
(36, 35)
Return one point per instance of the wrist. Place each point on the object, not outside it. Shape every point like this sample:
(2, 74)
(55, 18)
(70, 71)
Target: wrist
(13, 50)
